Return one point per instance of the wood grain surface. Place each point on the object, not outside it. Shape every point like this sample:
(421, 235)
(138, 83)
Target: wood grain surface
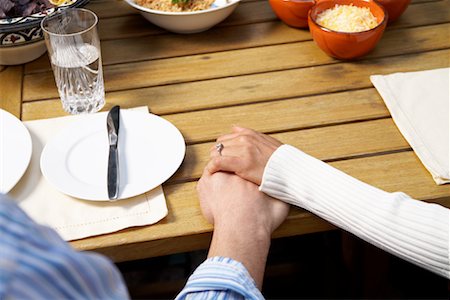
(254, 71)
(11, 80)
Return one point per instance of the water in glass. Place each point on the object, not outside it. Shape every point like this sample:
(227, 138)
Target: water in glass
(74, 50)
(78, 76)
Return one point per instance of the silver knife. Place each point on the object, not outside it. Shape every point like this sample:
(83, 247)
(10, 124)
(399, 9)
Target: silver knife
(112, 124)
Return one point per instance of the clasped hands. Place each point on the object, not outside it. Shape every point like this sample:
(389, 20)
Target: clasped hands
(243, 217)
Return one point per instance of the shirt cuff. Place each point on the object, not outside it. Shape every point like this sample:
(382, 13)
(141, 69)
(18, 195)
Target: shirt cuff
(220, 275)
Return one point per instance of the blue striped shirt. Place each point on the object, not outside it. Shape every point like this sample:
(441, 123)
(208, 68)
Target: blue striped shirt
(220, 278)
(35, 263)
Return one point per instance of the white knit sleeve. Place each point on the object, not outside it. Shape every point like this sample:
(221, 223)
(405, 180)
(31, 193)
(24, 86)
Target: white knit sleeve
(412, 230)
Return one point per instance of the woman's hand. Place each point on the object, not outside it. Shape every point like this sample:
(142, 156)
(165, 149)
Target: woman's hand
(245, 152)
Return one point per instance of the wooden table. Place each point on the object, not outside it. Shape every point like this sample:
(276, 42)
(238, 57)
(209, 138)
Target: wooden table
(254, 71)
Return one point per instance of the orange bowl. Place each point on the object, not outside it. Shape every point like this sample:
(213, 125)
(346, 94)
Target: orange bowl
(292, 12)
(394, 8)
(346, 45)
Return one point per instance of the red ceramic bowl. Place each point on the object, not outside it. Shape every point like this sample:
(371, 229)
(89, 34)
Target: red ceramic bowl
(292, 12)
(394, 8)
(346, 45)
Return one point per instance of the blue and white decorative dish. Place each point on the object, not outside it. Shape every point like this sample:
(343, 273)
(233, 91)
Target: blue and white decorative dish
(189, 21)
(21, 38)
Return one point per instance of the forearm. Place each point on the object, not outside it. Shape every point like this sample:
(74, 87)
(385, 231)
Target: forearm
(244, 244)
(415, 231)
(235, 265)
(35, 263)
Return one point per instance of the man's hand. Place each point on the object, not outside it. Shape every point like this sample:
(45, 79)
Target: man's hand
(245, 153)
(230, 201)
(243, 218)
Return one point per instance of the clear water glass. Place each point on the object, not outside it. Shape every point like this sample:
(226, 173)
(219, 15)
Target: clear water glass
(74, 51)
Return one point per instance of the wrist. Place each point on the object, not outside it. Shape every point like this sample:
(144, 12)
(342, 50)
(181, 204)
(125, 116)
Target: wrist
(249, 246)
(242, 233)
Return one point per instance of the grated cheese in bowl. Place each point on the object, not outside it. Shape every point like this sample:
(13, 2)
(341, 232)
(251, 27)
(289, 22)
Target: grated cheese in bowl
(347, 18)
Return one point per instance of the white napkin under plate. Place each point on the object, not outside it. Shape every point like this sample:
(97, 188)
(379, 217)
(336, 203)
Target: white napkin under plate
(70, 217)
(419, 105)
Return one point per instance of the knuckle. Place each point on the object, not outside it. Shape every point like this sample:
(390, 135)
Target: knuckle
(248, 151)
(244, 139)
(215, 162)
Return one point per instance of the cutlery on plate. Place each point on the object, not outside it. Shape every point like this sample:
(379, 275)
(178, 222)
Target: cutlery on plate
(112, 124)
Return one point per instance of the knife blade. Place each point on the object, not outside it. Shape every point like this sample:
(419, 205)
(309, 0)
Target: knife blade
(112, 124)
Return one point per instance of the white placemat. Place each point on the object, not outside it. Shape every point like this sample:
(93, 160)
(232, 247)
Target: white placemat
(70, 217)
(419, 105)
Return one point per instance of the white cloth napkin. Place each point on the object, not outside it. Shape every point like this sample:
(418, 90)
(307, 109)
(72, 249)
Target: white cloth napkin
(419, 105)
(70, 217)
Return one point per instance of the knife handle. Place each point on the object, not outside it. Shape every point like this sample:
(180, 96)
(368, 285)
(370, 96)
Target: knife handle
(113, 174)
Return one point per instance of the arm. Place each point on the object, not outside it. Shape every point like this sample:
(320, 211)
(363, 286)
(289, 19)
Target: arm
(415, 231)
(244, 219)
(35, 263)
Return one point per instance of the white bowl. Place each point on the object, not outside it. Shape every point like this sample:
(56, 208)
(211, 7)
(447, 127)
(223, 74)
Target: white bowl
(188, 22)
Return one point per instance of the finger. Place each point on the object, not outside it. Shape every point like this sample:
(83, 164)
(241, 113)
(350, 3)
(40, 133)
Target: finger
(223, 163)
(243, 130)
(226, 143)
(248, 135)
(239, 129)
(233, 148)
(215, 151)
(204, 178)
(228, 136)
(236, 131)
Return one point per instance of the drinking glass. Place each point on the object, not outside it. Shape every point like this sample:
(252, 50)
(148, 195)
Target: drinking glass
(74, 51)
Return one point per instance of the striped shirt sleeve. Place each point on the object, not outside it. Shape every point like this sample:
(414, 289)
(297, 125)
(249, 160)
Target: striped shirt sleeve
(35, 263)
(412, 230)
(220, 278)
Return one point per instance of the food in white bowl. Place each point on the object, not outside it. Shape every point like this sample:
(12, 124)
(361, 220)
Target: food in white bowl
(182, 16)
(176, 5)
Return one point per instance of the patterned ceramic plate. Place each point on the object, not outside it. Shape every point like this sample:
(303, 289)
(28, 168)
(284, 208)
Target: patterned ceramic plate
(24, 30)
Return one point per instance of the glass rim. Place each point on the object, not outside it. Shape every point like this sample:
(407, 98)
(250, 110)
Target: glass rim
(66, 11)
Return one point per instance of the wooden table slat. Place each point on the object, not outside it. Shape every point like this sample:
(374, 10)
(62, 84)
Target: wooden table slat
(274, 116)
(253, 88)
(11, 89)
(255, 35)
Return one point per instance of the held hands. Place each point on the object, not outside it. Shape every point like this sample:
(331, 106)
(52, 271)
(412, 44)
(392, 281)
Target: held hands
(245, 152)
(224, 196)
(243, 218)
(228, 201)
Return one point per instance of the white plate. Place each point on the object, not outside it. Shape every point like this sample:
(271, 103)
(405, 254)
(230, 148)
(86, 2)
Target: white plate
(150, 150)
(15, 150)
